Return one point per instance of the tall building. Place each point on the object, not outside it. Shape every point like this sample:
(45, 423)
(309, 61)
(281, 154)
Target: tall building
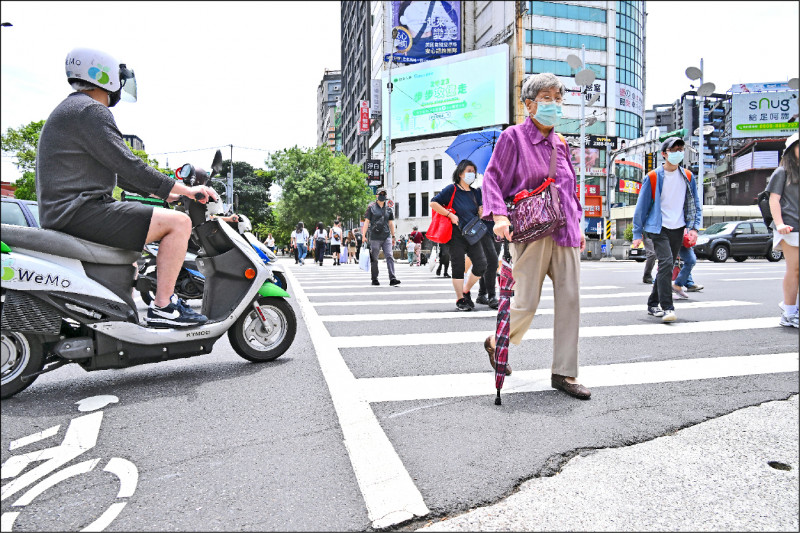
(356, 48)
(134, 140)
(329, 92)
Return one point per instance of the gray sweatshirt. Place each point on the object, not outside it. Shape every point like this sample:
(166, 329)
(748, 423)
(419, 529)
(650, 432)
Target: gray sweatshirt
(82, 156)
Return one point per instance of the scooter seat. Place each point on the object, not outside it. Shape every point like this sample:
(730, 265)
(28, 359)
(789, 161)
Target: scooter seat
(56, 243)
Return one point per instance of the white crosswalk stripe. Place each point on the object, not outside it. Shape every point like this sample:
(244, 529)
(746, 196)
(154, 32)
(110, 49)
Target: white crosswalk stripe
(391, 301)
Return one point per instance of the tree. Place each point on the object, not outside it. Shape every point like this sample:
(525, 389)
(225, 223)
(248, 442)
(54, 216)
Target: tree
(26, 186)
(141, 154)
(318, 186)
(251, 188)
(23, 141)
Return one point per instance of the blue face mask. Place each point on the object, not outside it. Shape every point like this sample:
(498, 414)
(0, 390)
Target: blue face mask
(469, 177)
(547, 114)
(675, 158)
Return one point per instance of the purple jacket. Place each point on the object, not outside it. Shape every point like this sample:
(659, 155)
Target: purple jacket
(521, 160)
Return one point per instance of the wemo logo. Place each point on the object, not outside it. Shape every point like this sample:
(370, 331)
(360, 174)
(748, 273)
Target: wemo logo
(22, 274)
(768, 103)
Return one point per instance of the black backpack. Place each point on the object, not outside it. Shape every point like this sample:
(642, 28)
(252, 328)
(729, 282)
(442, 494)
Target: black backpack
(763, 205)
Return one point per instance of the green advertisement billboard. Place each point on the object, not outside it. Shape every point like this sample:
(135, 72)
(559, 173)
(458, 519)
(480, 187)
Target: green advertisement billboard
(465, 91)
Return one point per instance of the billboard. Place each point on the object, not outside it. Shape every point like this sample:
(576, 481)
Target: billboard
(363, 120)
(764, 114)
(372, 168)
(426, 30)
(572, 92)
(467, 91)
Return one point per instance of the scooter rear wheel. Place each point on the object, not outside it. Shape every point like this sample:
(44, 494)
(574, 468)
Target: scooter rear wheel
(22, 354)
(257, 343)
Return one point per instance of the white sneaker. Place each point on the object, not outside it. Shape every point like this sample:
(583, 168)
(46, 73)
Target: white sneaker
(678, 291)
(655, 311)
(669, 316)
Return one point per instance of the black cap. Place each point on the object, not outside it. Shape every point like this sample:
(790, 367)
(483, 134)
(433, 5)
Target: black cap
(670, 142)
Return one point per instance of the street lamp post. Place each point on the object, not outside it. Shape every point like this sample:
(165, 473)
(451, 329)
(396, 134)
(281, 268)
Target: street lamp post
(584, 78)
(387, 120)
(705, 89)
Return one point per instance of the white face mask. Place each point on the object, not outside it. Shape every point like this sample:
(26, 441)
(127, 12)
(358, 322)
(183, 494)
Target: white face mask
(675, 158)
(469, 177)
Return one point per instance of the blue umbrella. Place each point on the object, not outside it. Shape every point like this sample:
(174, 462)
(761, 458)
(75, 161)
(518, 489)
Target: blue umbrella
(477, 146)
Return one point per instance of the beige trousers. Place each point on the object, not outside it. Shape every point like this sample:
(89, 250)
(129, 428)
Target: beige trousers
(532, 261)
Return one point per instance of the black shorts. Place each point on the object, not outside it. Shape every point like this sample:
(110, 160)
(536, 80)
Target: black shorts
(107, 221)
(336, 248)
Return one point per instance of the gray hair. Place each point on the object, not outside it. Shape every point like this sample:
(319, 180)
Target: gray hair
(538, 82)
(80, 85)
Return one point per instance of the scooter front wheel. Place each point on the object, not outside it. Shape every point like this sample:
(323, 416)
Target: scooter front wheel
(258, 342)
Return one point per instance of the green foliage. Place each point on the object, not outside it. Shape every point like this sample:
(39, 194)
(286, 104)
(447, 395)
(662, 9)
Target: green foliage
(317, 185)
(23, 141)
(251, 188)
(628, 235)
(141, 154)
(26, 186)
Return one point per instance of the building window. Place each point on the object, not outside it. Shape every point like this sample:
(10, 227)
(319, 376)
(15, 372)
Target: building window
(425, 205)
(437, 169)
(564, 11)
(412, 205)
(560, 68)
(629, 125)
(412, 171)
(567, 40)
(423, 170)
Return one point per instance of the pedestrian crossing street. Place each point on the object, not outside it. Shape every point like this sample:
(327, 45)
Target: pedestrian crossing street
(348, 320)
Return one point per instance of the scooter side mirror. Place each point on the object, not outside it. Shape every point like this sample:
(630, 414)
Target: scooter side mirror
(185, 171)
(216, 165)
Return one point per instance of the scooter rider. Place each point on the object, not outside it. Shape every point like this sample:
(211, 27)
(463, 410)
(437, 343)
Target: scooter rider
(81, 156)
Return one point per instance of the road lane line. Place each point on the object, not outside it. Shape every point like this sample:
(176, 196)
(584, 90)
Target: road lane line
(311, 291)
(388, 490)
(457, 315)
(409, 388)
(388, 301)
(635, 330)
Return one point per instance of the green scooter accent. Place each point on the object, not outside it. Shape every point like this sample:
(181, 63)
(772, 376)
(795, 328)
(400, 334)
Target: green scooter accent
(270, 289)
(4, 248)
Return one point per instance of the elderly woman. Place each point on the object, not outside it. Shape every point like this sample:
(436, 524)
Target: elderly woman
(520, 161)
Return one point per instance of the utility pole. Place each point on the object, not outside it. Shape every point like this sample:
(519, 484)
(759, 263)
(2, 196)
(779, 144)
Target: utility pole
(583, 150)
(701, 162)
(387, 120)
(519, 68)
(229, 185)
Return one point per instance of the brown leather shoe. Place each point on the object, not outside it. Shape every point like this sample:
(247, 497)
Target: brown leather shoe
(487, 344)
(573, 389)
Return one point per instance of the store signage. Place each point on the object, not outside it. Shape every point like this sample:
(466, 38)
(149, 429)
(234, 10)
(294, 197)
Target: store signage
(593, 206)
(372, 168)
(629, 186)
(629, 99)
(591, 190)
(363, 122)
(764, 114)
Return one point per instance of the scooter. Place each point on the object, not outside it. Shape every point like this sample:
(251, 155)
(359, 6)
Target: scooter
(66, 300)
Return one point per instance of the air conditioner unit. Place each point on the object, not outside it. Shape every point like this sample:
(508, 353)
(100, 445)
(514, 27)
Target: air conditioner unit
(734, 185)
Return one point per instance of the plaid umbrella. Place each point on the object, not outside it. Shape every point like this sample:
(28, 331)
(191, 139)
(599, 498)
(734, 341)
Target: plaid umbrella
(503, 322)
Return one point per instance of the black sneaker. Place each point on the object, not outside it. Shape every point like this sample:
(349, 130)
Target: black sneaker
(446, 275)
(376, 282)
(394, 282)
(482, 299)
(176, 315)
(463, 305)
(494, 303)
(468, 299)
(647, 280)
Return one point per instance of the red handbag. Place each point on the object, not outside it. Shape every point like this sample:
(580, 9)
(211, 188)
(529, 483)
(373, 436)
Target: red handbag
(441, 229)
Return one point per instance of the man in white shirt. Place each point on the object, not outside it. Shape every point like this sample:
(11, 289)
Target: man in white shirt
(336, 241)
(668, 204)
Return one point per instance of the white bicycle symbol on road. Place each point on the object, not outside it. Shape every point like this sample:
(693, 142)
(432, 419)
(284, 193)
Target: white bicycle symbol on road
(81, 436)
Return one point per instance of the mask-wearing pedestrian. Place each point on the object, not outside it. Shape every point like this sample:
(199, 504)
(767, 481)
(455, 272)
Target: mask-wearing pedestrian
(469, 177)
(381, 197)
(675, 158)
(547, 114)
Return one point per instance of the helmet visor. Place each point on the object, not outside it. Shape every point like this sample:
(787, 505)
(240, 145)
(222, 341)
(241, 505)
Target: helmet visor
(127, 79)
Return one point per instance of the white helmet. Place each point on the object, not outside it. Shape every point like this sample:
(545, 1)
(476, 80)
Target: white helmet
(101, 70)
(791, 140)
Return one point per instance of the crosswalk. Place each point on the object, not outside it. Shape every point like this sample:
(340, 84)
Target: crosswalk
(345, 314)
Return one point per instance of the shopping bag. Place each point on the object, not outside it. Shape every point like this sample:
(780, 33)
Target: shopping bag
(363, 261)
(433, 261)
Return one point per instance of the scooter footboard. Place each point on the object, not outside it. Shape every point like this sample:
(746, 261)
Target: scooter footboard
(116, 353)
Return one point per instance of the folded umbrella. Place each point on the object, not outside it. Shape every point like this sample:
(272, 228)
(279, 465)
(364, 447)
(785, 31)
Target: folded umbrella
(506, 281)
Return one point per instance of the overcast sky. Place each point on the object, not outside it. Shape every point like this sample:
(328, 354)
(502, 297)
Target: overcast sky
(211, 74)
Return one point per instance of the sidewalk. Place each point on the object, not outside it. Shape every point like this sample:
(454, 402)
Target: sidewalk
(713, 476)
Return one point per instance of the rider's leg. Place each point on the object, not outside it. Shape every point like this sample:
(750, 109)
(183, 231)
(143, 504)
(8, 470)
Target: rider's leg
(173, 229)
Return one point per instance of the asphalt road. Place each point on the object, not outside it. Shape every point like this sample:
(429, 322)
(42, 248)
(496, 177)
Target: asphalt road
(382, 412)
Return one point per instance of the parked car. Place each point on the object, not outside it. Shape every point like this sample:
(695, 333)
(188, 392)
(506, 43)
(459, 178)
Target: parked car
(20, 212)
(638, 254)
(740, 240)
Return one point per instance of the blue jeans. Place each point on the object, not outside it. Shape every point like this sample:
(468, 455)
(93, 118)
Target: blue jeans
(684, 278)
(302, 250)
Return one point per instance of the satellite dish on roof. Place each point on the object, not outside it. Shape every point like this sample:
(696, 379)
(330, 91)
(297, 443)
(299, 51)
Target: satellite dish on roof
(694, 73)
(574, 61)
(794, 83)
(707, 129)
(706, 89)
(593, 99)
(585, 77)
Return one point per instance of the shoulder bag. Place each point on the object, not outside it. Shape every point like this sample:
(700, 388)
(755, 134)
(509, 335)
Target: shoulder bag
(537, 213)
(441, 229)
(474, 230)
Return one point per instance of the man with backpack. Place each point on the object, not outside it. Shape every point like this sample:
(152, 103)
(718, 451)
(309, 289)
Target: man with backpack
(668, 204)
(379, 231)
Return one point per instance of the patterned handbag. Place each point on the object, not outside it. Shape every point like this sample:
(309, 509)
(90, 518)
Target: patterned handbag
(536, 214)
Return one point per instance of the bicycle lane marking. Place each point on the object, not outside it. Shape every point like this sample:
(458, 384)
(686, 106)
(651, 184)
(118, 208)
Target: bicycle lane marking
(81, 436)
(388, 490)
